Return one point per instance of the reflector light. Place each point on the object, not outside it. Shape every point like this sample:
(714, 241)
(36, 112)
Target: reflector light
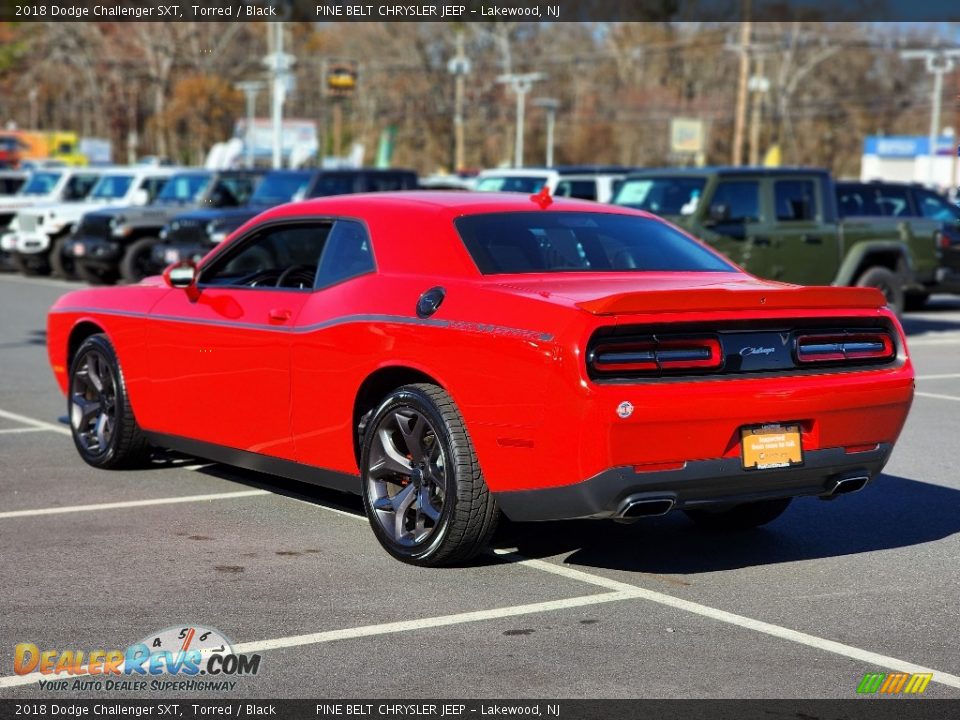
(844, 348)
(651, 356)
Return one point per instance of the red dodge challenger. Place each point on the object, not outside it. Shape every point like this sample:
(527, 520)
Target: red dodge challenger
(451, 357)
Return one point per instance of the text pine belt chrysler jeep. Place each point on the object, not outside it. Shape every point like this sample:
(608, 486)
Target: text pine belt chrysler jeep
(454, 356)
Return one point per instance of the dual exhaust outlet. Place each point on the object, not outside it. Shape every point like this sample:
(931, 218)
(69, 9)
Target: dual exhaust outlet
(637, 506)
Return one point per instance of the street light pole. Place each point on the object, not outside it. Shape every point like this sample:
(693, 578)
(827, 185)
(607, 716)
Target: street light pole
(279, 63)
(459, 67)
(550, 105)
(520, 84)
(938, 63)
(250, 88)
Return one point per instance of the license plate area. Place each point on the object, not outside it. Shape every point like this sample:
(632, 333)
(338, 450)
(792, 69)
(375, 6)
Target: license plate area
(767, 447)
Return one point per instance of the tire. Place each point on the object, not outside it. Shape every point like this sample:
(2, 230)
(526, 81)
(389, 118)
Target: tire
(915, 300)
(30, 265)
(95, 274)
(417, 459)
(137, 263)
(62, 266)
(104, 429)
(740, 517)
(886, 282)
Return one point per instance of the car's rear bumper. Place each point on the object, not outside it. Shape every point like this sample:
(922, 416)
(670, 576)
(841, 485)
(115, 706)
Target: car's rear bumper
(696, 484)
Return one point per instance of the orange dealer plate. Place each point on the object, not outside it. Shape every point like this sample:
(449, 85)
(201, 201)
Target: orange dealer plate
(770, 446)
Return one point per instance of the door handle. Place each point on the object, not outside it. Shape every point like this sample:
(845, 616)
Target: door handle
(279, 315)
(812, 239)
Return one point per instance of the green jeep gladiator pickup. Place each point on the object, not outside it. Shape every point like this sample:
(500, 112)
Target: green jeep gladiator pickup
(783, 224)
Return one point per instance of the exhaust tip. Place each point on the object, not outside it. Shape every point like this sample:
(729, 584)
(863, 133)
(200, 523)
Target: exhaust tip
(844, 486)
(645, 507)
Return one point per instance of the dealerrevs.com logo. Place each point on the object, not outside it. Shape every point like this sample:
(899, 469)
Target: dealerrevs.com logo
(894, 683)
(177, 658)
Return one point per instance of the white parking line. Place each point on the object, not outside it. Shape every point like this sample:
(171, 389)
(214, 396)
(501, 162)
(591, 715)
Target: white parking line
(388, 628)
(937, 396)
(132, 503)
(14, 431)
(39, 424)
(943, 376)
(949, 339)
(801, 638)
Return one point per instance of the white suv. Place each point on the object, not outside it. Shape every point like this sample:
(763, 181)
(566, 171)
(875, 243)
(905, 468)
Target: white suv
(586, 182)
(41, 232)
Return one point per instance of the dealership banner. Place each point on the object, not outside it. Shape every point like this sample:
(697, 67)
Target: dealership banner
(473, 10)
(487, 709)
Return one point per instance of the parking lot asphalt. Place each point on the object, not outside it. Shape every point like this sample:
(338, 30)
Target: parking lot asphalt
(800, 609)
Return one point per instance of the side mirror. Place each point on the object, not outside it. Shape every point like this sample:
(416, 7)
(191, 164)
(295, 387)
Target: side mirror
(183, 275)
(140, 197)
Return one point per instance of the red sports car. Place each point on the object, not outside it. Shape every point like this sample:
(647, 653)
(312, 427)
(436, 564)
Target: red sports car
(455, 356)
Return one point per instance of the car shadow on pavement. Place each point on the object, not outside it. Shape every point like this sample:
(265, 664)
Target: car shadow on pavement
(892, 512)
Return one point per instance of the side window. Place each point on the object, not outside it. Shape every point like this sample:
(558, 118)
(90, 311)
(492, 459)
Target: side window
(153, 186)
(795, 199)
(858, 201)
(935, 207)
(894, 201)
(346, 254)
(582, 189)
(737, 201)
(79, 186)
(278, 257)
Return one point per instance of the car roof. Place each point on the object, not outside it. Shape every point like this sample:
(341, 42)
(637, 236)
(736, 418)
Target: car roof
(441, 202)
(752, 171)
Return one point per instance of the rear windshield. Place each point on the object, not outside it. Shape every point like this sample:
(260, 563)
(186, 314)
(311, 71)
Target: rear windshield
(550, 241)
(509, 183)
(662, 195)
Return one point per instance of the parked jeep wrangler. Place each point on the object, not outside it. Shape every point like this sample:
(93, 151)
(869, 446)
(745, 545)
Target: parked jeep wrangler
(118, 242)
(783, 224)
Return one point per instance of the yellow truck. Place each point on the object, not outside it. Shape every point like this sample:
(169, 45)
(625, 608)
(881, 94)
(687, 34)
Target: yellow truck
(52, 145)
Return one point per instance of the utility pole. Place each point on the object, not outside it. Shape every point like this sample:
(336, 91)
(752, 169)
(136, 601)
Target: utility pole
(250, 88)
(520, 84)
(550, 105)
(759, 86)
(740, 116)
(938, 62)
(279, 64)
(459, 67)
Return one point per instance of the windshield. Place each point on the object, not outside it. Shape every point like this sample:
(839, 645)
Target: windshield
(662, 195)
(280, 188)
(532, 242)
(111, 187)
(509, 183)
(41, 183)
(183, 188)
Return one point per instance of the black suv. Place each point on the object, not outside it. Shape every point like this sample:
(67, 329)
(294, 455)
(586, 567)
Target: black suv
(119, 241)
(193, 234)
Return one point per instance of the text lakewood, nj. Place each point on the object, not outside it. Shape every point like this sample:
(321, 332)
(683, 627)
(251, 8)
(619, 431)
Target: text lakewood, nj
(437, 10)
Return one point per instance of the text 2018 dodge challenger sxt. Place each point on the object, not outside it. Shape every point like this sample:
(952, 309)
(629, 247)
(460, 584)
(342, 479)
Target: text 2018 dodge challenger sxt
(452, 357)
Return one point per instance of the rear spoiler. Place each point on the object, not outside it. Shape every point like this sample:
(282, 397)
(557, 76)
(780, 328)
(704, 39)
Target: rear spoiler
(799, 298)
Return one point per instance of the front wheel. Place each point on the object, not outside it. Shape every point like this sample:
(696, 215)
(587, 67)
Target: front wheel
(61, 264)
(423, 490)
(95, 274)
(137, 261)
(104, 429)
(887, 282)
(740, 517)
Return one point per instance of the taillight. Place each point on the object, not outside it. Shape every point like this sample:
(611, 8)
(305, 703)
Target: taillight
(654, 355)
(848, 347)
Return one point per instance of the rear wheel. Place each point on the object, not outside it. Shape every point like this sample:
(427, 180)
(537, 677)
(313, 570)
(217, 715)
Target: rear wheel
(137, 261)
(62, 265)
(887, 282)
(104, 429)
(423, 490)
(740, 517)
